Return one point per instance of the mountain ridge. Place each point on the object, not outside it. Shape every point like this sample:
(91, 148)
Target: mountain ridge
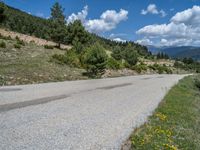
(177, 51)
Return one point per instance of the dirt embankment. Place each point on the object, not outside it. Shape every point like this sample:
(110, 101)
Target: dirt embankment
(28, 39)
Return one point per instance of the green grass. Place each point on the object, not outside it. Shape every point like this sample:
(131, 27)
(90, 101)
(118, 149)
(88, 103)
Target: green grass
(175, 123)
(31, 64)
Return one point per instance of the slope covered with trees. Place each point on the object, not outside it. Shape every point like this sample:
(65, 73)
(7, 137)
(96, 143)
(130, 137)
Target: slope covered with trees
(73, 33)
(89, 51)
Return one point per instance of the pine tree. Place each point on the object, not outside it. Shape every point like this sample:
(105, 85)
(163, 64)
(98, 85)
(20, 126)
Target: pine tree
(59, 28)
(95, 60)
(77, 33)
(2, 12)
(57, 13)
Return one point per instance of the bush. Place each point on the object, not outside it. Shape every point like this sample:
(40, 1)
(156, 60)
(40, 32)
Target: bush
(117, 53)
(140, 68)
(126, 64)
(48, 47)
(58, 58)
(113, 64)
(197, 82)
(95, 59)
(131, 57)
(20, 42)
(17, 46)
(70, 58)
(161, 69)
(5, 37)
(2, 44)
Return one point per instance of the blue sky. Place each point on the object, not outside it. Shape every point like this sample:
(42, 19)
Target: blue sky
(144, 21)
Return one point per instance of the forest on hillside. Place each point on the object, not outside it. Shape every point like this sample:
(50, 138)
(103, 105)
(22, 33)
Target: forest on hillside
(22, 22)
(88, 48)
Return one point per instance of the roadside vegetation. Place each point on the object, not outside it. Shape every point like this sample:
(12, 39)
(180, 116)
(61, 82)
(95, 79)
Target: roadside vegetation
(188, 64)
(175, 123)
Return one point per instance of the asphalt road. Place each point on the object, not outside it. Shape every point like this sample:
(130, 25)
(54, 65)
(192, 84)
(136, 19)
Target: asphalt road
(90, 114)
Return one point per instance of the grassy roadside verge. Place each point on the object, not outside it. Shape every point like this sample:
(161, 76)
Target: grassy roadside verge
(175, 123)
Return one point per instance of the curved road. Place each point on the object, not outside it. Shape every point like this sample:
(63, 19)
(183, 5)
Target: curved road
(90, 114)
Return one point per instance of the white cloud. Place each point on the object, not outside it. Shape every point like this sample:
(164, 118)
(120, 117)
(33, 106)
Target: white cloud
(119, 40)
(99, 25)
(79, 16)
(39, 14)
(163, 13)
(152, 9)
(107, 21)
(189, 17)
(183, 29)
(144, 41)
(114, 35)
(113, 16)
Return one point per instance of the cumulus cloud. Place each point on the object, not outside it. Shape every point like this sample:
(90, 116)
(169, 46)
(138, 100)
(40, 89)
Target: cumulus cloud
(152, 9)
(79, 16)
(188, 17)
(119, 40)
(183, 29)
(113, 16)
(144, 41)
(107, 21)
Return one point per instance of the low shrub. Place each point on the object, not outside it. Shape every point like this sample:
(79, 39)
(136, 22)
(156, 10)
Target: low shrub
(197, 82)
(48, 47)
(131, 57)
(126, 64)
(2, 44)
(139, 68)
(20, 42)
(5, 37)
(58, 58)
(70, 58)
(32, 42)
(113, 64)
(161, 69)
(17, 46)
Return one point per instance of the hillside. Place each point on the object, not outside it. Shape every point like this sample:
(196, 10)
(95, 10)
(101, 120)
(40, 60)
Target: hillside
(175, 51)
(29, 39)
(28, 54)
(192, 53)
(32, 64)
(22, 22)
(178, 52)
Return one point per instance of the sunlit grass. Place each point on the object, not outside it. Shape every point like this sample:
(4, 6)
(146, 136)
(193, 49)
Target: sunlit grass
(175, 123)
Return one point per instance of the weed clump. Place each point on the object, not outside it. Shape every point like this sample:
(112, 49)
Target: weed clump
(2, 44)
(17, 46)
(48, 47)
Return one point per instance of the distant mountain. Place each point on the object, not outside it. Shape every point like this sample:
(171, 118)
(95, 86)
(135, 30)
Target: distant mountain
(192, 53)
(178, 52)
(175, 51)
(153, 49)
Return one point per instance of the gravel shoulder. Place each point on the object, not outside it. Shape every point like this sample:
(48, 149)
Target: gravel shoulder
(87, 114)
